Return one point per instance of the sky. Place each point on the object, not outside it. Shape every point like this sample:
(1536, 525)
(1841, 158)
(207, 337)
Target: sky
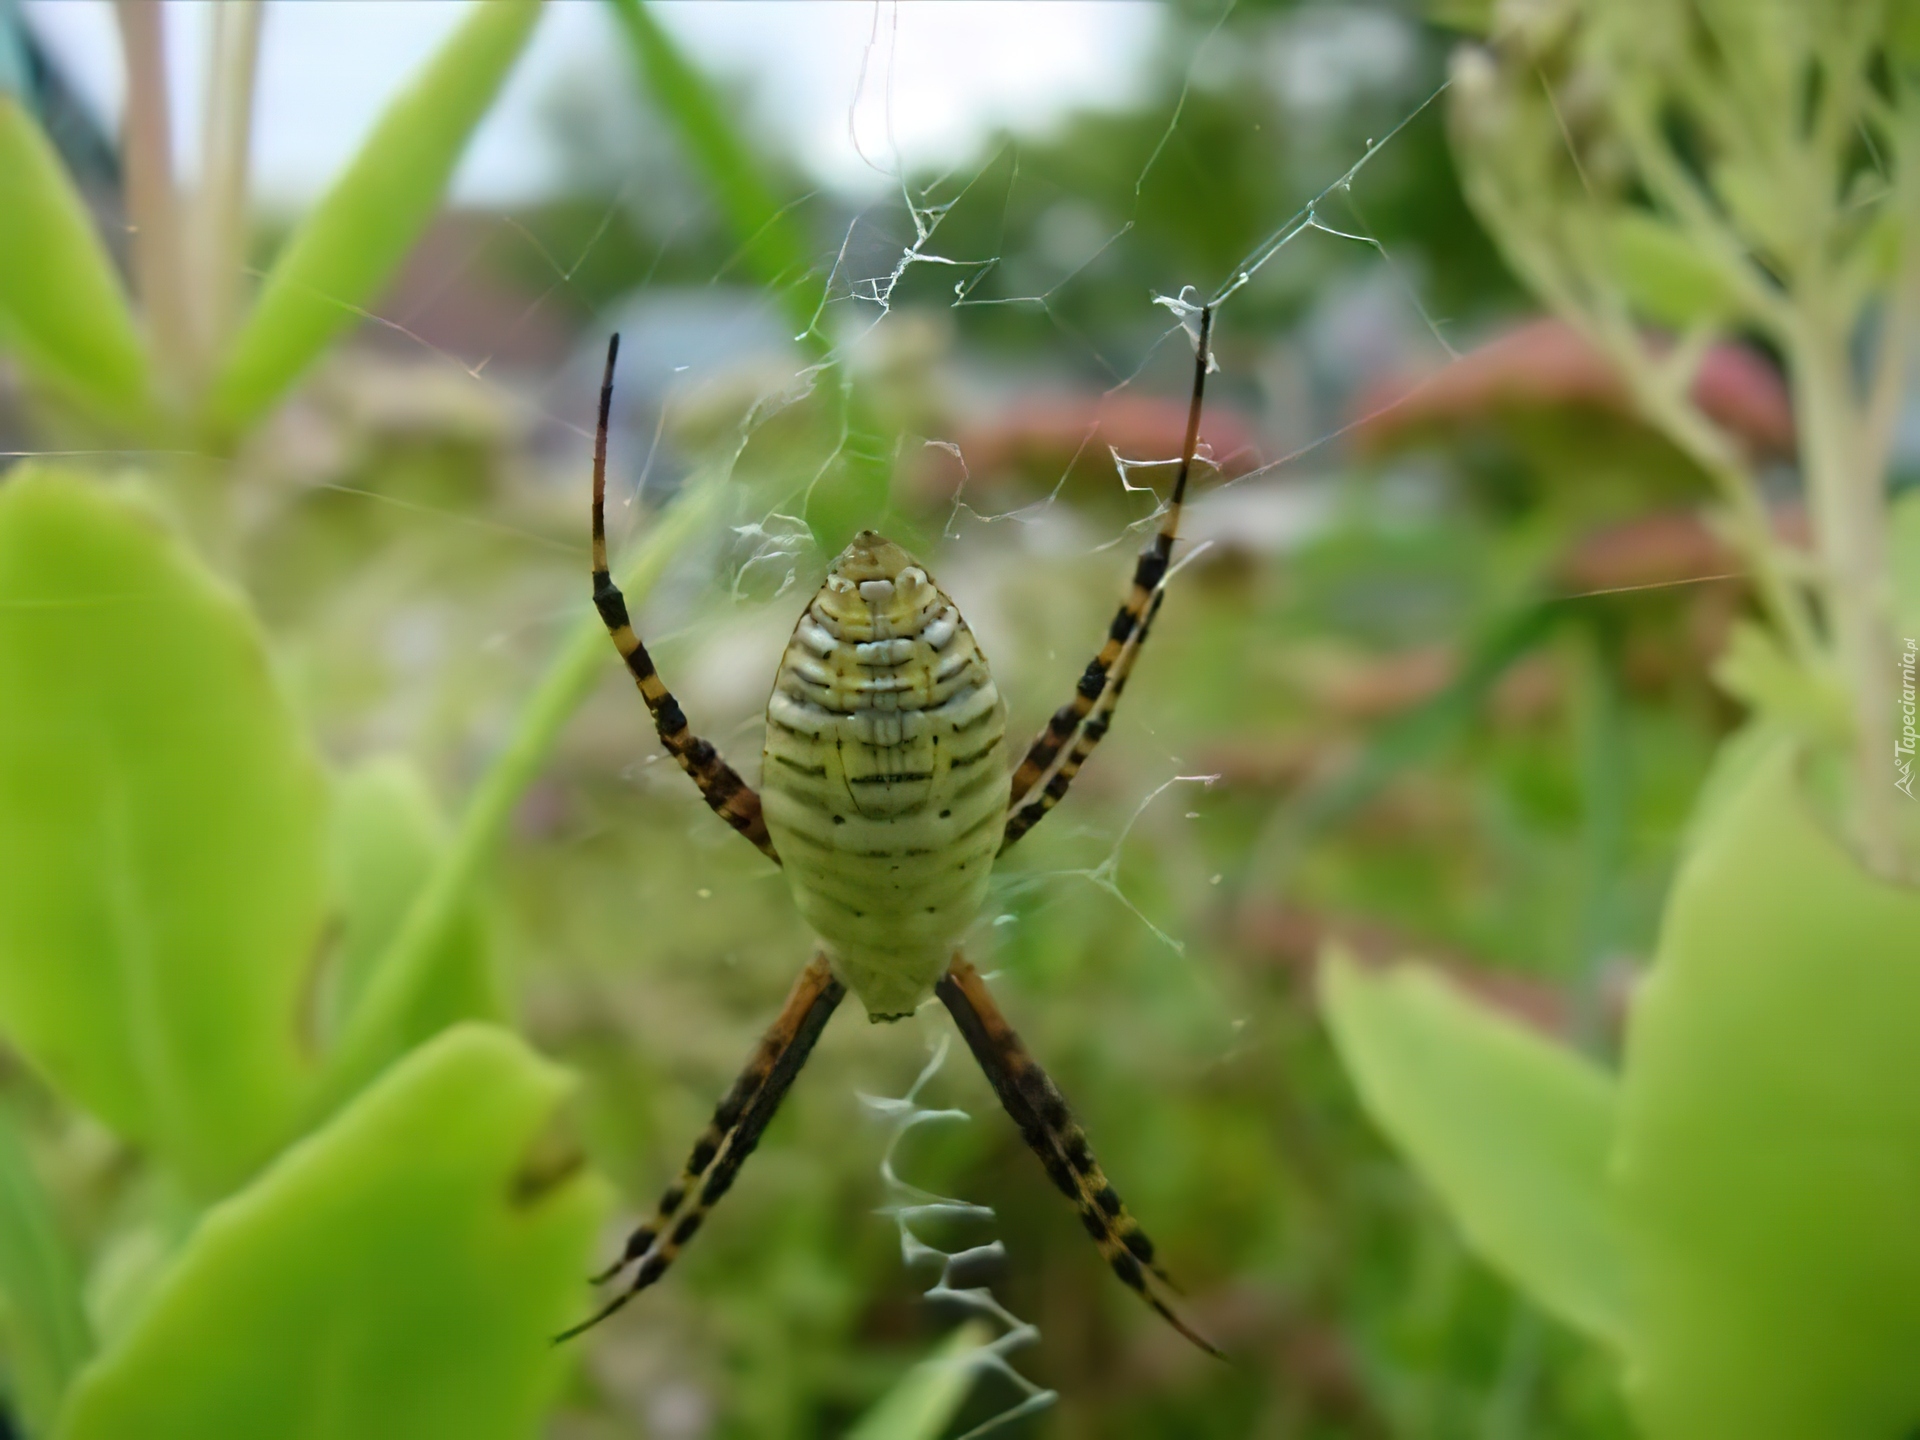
(853, 85)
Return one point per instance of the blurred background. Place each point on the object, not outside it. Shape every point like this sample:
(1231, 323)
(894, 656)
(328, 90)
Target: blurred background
(1433, 682)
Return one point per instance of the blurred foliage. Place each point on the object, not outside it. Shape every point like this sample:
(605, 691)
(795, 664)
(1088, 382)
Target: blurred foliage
(163, 819)
(1513, 1131)
(1444, 715)
(1722, 167)
(347, 247)
(1729, 1141)
(399, 1273)
(62, 313)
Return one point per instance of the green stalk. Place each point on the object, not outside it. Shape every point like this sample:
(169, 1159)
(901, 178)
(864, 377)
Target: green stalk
(1550, 249)
(1847, 498)
(48, 1337)
(922, 1405)
(1671, 408)
(345, 250)
(370, 1037)
(1606, 783)
(219, 215)
(64, 318)
(774, 250)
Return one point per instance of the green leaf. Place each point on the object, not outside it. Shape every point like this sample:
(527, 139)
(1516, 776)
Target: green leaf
(1769, 218)
(1472, 17)
(387, 837)
(63, 313)
(1511, 1131)
(1756, 669)
(927, 1398)
(773, 247)
(853, 492)
(339, 260)
(1665, 277)
(1769, 1158)
(398, 1273)
(1875, 257)
(1740, 755)
(1903, 37)
(161, 824)
(48, 1337)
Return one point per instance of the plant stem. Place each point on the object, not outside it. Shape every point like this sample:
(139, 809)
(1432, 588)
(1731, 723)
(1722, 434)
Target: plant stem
(1847, 498)
(219, 218)
(1546, 255)
(775, 250)
(368, 1039)
(153, 209)
(1671, 409)
(49, 1336)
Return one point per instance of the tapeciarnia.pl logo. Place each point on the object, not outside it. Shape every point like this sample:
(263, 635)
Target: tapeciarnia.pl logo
(1903, 748)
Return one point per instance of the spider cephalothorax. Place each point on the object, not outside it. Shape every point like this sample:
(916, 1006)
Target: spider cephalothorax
(885, 797)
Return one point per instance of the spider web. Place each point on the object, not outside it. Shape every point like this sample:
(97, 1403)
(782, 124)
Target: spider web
(877, 286)
(909, 1205)
(870, 294)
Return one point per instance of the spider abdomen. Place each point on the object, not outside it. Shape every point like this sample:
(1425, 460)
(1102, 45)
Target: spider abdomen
(883, 780)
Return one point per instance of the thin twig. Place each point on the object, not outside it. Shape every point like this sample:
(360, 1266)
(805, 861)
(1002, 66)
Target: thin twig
(219, 217)
(153, 208)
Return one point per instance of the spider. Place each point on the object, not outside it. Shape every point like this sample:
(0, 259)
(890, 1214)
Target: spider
(885, 799)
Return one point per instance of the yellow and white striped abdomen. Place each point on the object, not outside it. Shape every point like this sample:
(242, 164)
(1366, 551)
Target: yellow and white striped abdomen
(883, 782)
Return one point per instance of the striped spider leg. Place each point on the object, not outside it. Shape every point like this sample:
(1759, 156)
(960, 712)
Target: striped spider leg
(739, 1120)
(730, 797)
(1090, 711)
(1037, 1107)
(884, 797)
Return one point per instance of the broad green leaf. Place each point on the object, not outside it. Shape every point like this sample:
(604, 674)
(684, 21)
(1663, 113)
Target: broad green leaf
(928, 1396)
(853, 492)
(387, 837)
(339, 260)
(63, 314)
(47, 1335)
(1509, 1129)
(1768, 1169)
(399, 1273)
(1664, 276)
(161, 831)
(1740, 755)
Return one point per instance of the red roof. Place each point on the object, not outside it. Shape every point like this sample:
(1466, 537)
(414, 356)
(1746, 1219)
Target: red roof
(1546, 362)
